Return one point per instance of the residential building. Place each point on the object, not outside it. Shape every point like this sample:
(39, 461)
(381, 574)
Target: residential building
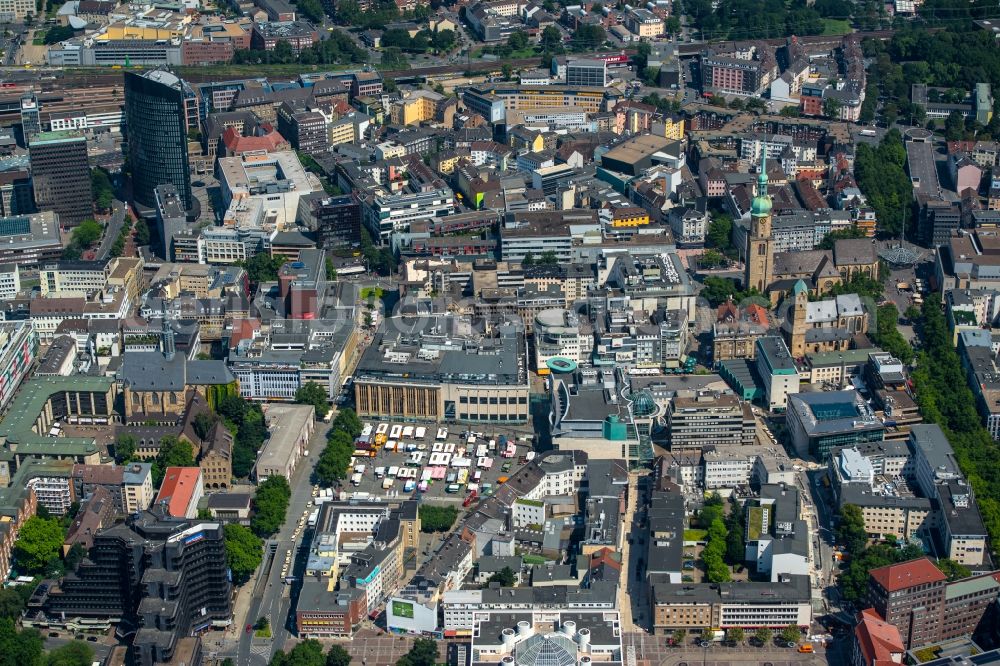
(642, 23)
(180, 492)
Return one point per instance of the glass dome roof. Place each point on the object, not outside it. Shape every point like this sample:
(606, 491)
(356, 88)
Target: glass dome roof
(643, 404)
(552, 650)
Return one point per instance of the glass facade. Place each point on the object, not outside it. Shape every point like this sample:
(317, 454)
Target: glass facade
(157, 135)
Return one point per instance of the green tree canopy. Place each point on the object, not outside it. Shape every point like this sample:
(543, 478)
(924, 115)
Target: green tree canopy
(953, 570)
(307, 653)
(244, 551)
(125, 446)
(506, 577)
(338, 656)
(270, 505)
(313, 394)
(173, 452)
(423, 653)
(77, 653)
(437, 517)
(38, 544)
(19, 648)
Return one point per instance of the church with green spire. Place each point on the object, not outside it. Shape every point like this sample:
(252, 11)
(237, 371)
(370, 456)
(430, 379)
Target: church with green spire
(760, 244)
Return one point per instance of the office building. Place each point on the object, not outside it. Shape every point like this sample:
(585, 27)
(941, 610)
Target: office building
(355, 563)
(289, 428)
(697, 419)
(31, 111)
(586, 72)
(748, 605)
(910, 596)
(876, 642)
(162, 578)
(28, 240)
(60, 174)
(817, 422)
(777, 371)
(156, 122)
(170, 218)
(468, 378)
(960, 532)
(18, 349)
(336, 221)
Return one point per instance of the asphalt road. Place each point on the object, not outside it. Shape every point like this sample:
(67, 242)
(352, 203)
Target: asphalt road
(272, 598)
(113, 229)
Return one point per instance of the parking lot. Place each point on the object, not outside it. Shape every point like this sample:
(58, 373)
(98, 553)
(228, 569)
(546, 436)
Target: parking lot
(437, 464)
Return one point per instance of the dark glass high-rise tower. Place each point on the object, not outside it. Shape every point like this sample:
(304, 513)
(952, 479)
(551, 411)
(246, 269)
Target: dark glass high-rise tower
(60, 175)
(155, 118)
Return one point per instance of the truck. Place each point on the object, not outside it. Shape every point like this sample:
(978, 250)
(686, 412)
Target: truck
(379, 472)
(463, 477)
(356, 479)
(312, 518)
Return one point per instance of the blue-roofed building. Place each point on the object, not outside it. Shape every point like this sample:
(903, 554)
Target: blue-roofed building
(817, 422)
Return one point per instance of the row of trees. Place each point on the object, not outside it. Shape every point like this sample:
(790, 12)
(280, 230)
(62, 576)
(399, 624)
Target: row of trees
(754, 19)
(736, 635)
(725, 539)
(337, 49)
(104, 193)
(309, 652)
(244, 551)
(336, 457)
(270, 505)
(423, 41)
(883, 180)
(944, 398)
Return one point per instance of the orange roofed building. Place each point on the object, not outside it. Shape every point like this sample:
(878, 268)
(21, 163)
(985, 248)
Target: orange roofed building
(911, 596)
(181, 491)
(876, 642)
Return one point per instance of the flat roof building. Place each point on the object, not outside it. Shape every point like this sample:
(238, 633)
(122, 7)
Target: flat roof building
(290, 427)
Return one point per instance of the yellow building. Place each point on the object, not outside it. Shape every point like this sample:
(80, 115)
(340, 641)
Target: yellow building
(631, 216)
(446, 163)
(416, 107)
(671, 127)
(123, 31)
(341, 132)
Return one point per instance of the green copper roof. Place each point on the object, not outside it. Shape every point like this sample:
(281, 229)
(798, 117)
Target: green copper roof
(799, 288)
(761, 205)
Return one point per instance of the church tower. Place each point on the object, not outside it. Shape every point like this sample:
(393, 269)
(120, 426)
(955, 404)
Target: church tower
(760, 244)
(798, 314)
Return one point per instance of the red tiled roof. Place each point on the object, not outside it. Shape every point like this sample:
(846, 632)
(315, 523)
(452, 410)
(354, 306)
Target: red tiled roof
(237, 144)
(179, 484)
(900, 576)
(878, 639)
